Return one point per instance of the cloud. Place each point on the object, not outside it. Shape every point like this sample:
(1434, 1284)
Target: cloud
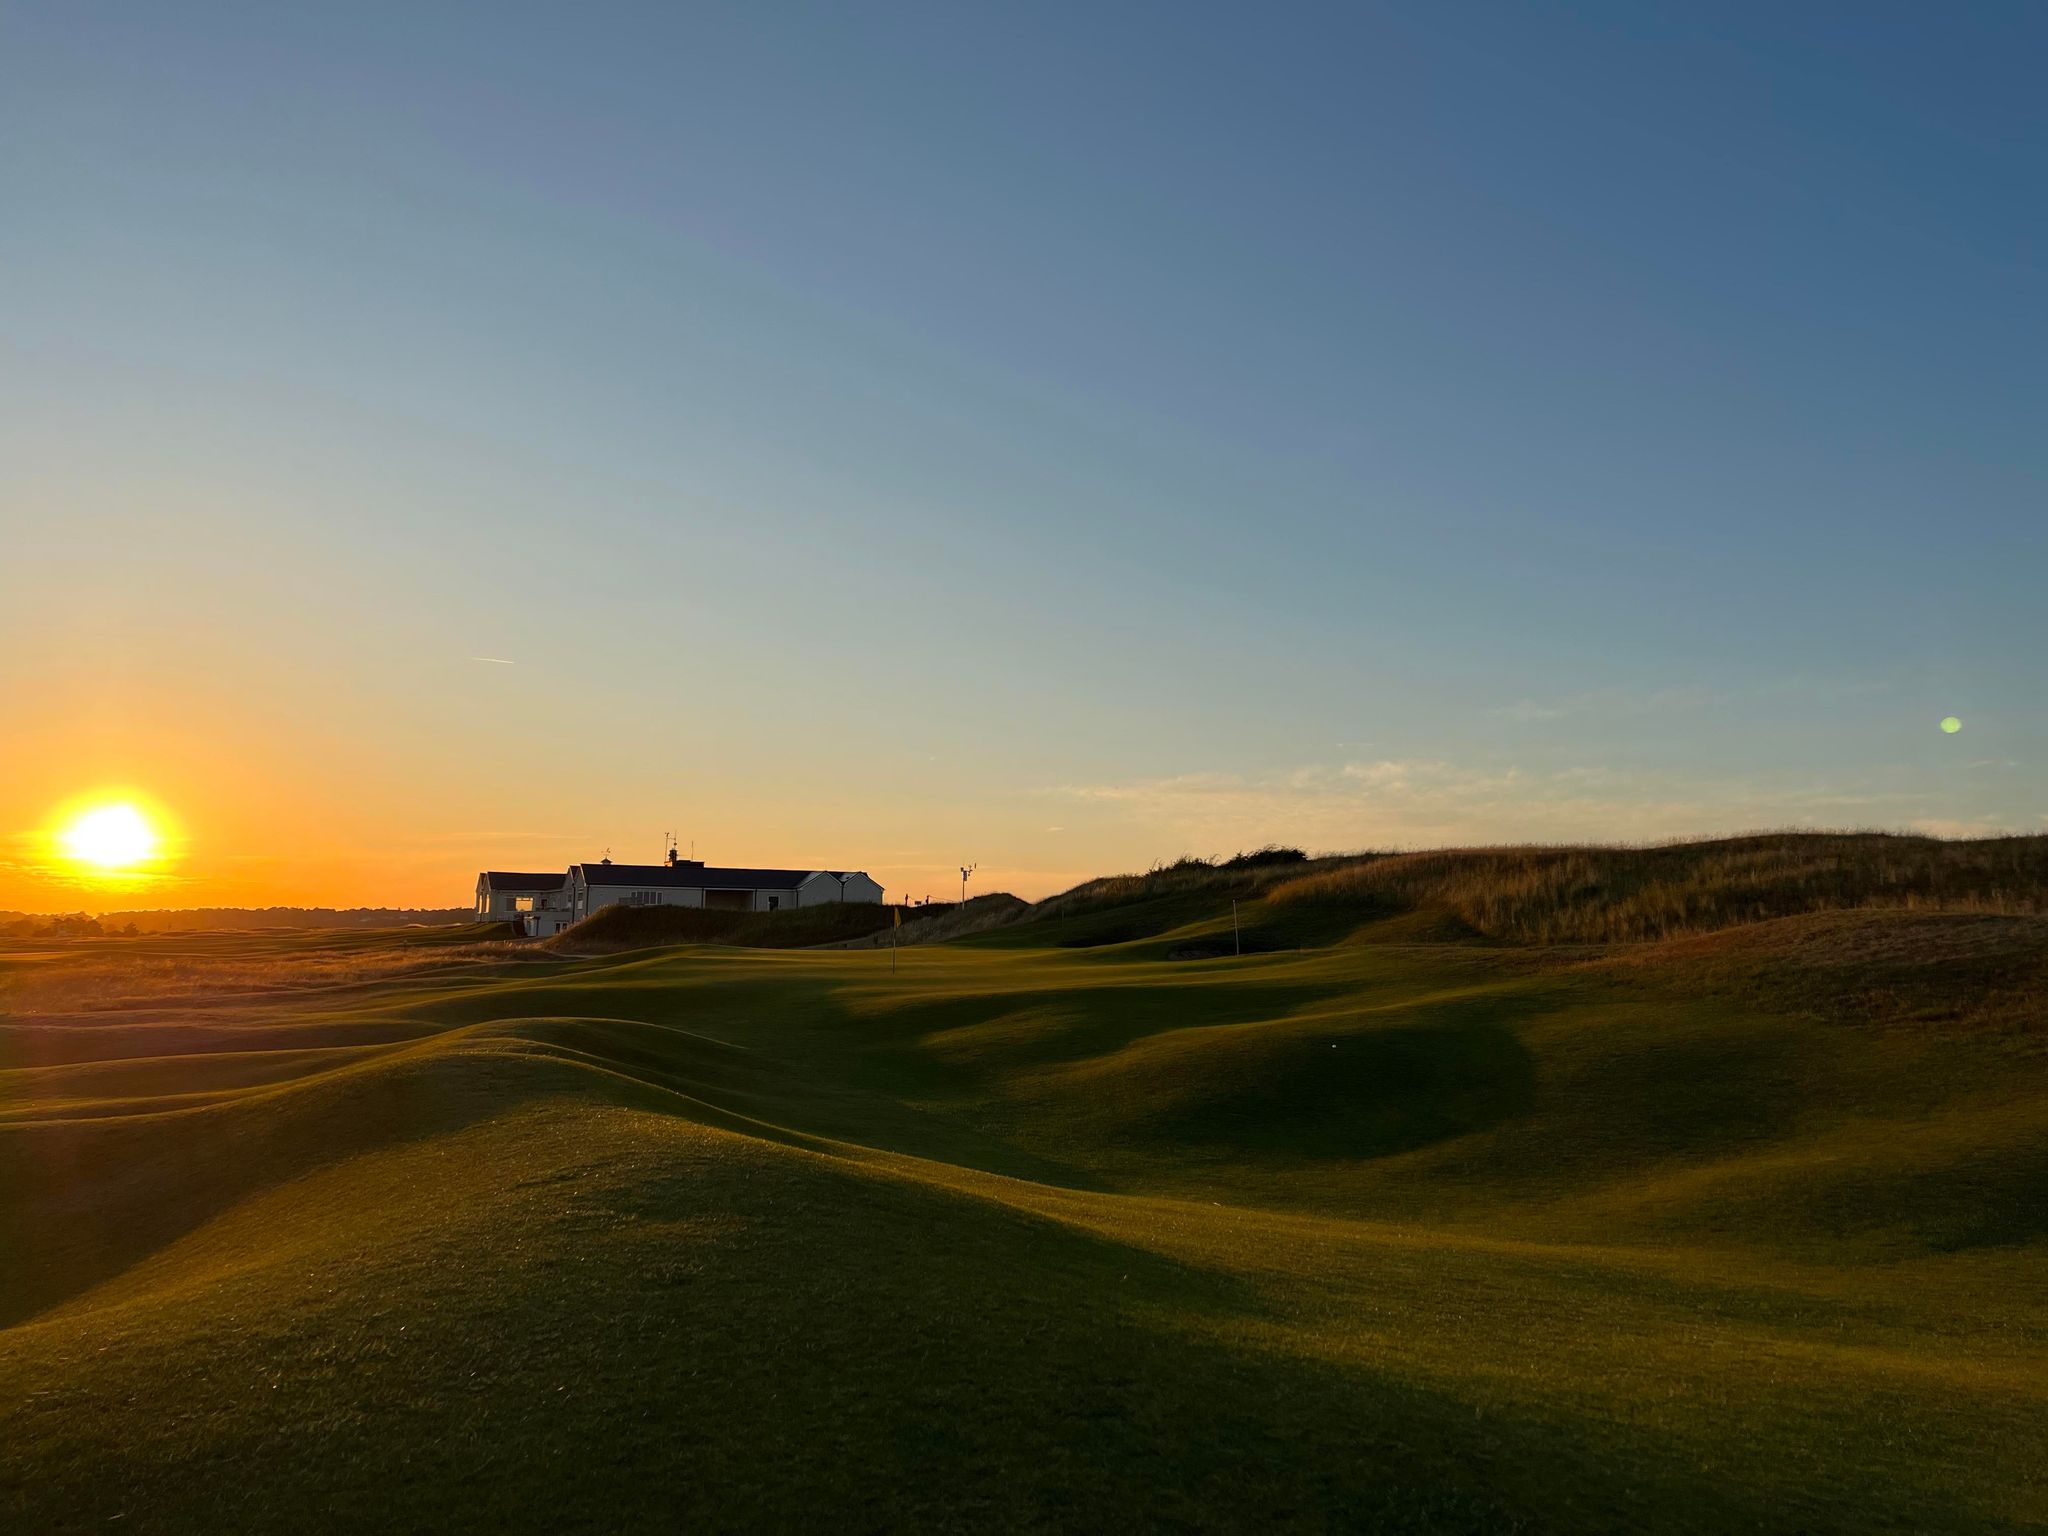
(1528, 712)
(462, 839)
(1950, 826)
(1622, 702)
(1423, 802)
(496, 661)
(1625, 703)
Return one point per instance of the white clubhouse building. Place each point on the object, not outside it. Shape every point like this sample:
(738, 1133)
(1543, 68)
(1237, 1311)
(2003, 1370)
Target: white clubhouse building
(543, 904)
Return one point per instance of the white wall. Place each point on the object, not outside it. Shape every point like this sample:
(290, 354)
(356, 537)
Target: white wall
(821, 888)
(814, 892)
(757, 900)
(503, 906)
(599, 897)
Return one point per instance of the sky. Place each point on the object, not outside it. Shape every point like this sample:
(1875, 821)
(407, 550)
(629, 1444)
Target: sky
(1053, 437)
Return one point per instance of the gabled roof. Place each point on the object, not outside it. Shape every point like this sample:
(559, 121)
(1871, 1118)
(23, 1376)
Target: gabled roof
(694, 877)
(513, 880)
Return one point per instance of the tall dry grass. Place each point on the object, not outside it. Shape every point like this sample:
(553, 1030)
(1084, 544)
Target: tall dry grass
(1597, 895)
(1245, 875)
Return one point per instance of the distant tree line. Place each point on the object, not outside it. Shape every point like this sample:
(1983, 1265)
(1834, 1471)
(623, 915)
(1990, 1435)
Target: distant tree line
(79, 925)
(67, 925)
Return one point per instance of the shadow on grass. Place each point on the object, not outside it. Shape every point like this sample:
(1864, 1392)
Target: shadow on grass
(687, 1336)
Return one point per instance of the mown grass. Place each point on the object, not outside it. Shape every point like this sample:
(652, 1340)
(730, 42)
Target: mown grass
(1419, 1231)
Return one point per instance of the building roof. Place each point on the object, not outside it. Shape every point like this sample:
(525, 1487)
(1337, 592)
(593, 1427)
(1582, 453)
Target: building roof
(694, 877)
(513, 880)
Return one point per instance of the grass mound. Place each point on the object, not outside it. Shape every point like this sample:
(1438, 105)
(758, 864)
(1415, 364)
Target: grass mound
(624, 927)
(1978, 970)
(1118, 909)
(1299, 1090)
(1533, 895)
(364, 1232)
(1597, 895)
(942, 922)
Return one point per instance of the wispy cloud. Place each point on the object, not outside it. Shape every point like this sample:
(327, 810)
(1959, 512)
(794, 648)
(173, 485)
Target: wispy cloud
(1413, 802)
(1620, 702)
(1628, 702)
(462, 839)
(1528, 712)
(496, 661)
(1955, 826)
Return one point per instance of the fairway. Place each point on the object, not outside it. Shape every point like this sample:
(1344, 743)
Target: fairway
(314, 1232)
(990, 769)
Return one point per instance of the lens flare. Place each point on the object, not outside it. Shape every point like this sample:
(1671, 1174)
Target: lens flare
(110, 839)
(1951, 725)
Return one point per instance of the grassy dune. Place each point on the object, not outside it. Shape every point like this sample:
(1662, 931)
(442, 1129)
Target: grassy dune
(1600, 895)
(1411, 1227)
(623, 927)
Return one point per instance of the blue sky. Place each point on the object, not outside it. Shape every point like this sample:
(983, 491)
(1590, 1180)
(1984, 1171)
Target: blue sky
(887, 434)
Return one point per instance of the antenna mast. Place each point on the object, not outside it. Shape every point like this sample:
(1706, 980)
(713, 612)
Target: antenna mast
(965, 871)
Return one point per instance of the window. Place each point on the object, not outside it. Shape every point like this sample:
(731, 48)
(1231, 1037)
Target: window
(774, 902)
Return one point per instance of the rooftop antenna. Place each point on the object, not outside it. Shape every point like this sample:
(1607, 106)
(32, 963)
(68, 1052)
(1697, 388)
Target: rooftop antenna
(965, 871)
(668, 849)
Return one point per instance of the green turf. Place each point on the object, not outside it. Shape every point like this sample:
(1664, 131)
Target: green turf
(383, 1231)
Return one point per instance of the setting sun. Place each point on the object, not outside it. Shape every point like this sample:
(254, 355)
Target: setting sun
(111, 838)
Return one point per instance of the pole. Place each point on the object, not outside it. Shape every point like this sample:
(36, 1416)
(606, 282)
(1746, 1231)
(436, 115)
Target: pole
(1236, 938)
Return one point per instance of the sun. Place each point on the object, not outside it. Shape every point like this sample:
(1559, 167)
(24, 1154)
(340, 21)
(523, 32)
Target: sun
(113, 838)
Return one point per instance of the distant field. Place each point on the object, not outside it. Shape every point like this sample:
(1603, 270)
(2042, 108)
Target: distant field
(1495, 1193)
